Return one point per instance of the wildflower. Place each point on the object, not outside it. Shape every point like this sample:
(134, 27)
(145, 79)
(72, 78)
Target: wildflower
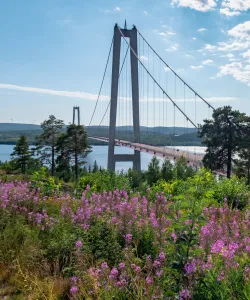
(174, 236)
(137, 269)
(189, 268)
(73, 290)
(217, 246)
(113, 273)
(104, 265)
(156, 263)
(74, 279)
(220, 277)
(128, 237)
(162, 256)
(149, 280)
(159, 273)
(184, 294)
(121, 265)
(78, 244)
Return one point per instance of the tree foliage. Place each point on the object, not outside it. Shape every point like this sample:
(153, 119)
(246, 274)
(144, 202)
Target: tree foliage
(222, 135)
(47, 140)
(21, 154)
(72, 148)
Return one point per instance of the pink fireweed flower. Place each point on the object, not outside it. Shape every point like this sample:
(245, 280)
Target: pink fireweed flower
(121, 265)
(73, 290)
(184, 294)
(159, 273)
(78, 244)
(104, 265)
(187, 222)
(189, 268)
(156, 263)
(217, 246)
(129, 237)
(174, 236)
(137, 269)
(162, 256)
(113, 274)
(220, 277)
(149, 280)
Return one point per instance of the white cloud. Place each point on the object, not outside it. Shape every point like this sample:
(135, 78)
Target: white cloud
(237, 71)
(209, 47)
(201, 29)
(207, 62)
(165, 34)
(189, 56)
(200, 5)
(143, 58)
(145, 13)
(196, 67)
(229, 55)
(234, 7)
(229, 13)
(194, 38)
(241, 31)
(117, 9)
(174, 48)
(87, 96)
(81, 95)
(246, 54)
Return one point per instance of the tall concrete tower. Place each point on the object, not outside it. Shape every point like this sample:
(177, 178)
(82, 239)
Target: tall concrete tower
(76, 109)
(136, 157)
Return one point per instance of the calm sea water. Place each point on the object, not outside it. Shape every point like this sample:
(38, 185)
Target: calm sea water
(100, 154)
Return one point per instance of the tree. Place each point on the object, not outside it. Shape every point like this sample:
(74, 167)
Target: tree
(242, 162)
(21, 154)
(72, 147)
(167, 170)
(154, 171)
(47, 141)
(95, 167)
(222, 136)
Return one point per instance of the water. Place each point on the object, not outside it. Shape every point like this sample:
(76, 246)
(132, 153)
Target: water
(100, 154)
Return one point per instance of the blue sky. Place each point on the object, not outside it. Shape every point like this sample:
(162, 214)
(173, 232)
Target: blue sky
(53, 53)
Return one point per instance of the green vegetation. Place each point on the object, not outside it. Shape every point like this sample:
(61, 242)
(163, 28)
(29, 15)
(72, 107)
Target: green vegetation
(225, 135)
(115, 236)
(171, 232)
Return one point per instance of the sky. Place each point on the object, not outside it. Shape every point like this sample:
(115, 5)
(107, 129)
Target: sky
(53, 53)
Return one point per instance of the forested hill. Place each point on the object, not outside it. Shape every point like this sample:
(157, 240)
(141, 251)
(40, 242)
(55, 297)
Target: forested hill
(18, 127)
(159, 136)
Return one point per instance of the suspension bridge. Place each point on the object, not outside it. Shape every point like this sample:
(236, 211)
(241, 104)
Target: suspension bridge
(139, 89)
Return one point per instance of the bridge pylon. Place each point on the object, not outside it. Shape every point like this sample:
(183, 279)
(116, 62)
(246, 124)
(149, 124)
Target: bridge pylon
(136, 157)
(76, 109)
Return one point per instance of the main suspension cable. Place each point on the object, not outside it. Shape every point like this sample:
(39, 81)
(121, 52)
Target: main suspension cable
(118, 78)
(133, 51)
(102, 81)
(175, 72)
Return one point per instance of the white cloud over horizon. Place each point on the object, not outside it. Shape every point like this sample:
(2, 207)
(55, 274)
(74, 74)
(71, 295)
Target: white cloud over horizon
(88, 96)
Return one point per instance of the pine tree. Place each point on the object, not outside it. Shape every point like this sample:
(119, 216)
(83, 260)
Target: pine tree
(72, 147)
(47, 141)
(222, 136)
(154, 171)
(167, 170)
(95, 167)
(21, 154)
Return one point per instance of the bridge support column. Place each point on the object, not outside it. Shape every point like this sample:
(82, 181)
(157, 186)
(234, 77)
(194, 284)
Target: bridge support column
(136, 157)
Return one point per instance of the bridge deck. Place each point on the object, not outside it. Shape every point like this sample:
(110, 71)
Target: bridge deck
(194, 159)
